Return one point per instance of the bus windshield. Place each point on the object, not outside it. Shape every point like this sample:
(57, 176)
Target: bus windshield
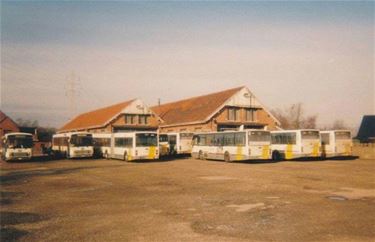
(342, 135)
(81, 140)
(310, 134)
(259, 136)
(163, 138)
(146, 139)
(19, 141)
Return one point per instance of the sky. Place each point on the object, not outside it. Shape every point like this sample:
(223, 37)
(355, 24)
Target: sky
(320, 54)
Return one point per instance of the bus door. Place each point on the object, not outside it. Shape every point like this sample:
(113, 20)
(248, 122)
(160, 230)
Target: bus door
(259, 144)
(112, 146)
(310, 143)
(219, 143)
(172, 141)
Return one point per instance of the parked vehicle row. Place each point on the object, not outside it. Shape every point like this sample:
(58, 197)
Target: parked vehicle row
(275, 145)
(252, 144)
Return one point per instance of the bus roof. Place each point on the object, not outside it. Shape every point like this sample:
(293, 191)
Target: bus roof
(293, 130)
(68, 134)
(17, 133)
(336, 130)
(232, 131)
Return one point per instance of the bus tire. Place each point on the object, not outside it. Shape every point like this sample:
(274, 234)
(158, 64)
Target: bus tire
(126, 158)
(227, 156)
(200, 155)
(276, 156)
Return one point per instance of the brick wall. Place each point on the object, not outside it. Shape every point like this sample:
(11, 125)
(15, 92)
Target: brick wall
(222, 116)
(6, 126)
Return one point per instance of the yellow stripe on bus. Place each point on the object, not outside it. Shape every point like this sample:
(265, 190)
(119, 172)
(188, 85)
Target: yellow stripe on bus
(151, 152)
(266, 152)
(315, 151)
(239, 153)
(289, 151)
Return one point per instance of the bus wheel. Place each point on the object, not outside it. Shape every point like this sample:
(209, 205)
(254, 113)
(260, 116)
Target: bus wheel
(276, 156)
(200, 155)
(126, 156)
(227, 157)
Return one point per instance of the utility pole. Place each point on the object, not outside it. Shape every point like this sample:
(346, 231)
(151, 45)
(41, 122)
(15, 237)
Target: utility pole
(71, 91)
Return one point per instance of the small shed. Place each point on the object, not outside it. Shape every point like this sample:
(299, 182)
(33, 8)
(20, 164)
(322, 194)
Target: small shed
(366, 132)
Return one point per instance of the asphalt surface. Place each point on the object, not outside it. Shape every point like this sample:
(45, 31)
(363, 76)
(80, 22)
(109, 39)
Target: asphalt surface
(188, 200)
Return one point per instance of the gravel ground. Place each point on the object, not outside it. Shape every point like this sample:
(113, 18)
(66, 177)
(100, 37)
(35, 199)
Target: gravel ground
(188, 200)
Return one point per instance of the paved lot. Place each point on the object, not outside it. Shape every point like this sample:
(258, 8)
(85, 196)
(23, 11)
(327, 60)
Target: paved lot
(188, 200)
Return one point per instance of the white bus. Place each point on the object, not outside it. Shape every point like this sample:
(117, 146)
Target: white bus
(291, 144)
(175, 143)
(336, 143)
(128, 146)
(232, 145)
(73, 145)
(17, 146)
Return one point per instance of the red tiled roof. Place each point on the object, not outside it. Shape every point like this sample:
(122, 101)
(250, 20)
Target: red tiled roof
(96, 118)
(194, 109)
(3, 117)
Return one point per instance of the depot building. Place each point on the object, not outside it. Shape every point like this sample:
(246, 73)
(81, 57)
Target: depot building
(226, 110)
(133, 115)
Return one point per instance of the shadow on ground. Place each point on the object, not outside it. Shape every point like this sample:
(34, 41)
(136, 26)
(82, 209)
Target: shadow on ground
(9, 233)
(12, 234)
(19, 176)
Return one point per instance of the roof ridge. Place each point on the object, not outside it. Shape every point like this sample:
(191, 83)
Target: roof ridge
(204, 95)
(99, 109)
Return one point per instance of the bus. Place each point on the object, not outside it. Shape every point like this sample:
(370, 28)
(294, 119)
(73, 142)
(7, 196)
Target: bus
(17, 146)
(336, 143)
(292, 144)
(232, 145)
(73, 145)
(163, 145)
(175, 143)
(128, 146)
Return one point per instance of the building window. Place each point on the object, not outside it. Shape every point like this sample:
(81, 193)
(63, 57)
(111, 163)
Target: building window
(129, 119)
(250, 115)
(232, 114)
(142, 119)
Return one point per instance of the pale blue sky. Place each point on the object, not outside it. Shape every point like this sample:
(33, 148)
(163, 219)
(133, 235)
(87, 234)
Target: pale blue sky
(317, 53)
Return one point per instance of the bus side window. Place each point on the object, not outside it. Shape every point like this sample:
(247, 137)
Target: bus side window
(209, 139)
(195, 139)
(202, 140)
(128, 142)
(229, 139)
(239, 139)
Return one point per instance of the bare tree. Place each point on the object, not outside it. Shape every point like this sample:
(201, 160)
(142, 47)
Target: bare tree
(27, 123)
(339, 124)
(293, 117)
